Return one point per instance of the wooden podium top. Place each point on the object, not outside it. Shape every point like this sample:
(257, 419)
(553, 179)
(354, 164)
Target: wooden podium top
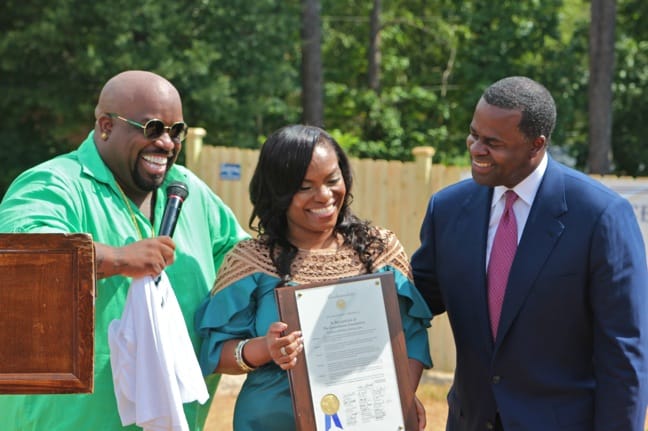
(47, 290)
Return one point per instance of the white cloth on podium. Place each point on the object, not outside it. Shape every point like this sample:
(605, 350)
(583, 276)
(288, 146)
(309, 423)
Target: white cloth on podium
(153, 362)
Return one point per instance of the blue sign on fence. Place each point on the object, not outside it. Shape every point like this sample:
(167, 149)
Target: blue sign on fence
(230, 171)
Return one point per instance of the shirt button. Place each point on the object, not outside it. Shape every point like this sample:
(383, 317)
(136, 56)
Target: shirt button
(496, 379)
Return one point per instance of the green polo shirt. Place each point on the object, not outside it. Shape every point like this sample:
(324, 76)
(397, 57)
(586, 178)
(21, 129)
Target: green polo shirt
(76, 192)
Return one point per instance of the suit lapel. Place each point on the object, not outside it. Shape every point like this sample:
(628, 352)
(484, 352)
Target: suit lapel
(541, 232)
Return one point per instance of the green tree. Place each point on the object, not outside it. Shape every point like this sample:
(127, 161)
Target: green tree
(436, 59)
(407, 110)
(514, 38)
(235, 66)
(630, 103)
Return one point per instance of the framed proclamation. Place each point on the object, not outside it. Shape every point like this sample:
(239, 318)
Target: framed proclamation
(47, 294)
(353, 373)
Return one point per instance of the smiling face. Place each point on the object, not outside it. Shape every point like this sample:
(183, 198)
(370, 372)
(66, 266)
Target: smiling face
(499, 152)
(146, 160)
(314, 209)
(138, 163)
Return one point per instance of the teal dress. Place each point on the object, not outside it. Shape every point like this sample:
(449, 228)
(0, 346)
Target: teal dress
(242, 305)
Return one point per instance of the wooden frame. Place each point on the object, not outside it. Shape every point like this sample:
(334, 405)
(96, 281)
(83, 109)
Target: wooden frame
(47, 290)
(298, 376)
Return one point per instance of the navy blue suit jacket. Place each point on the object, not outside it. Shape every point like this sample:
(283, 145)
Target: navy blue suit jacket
(572, 345)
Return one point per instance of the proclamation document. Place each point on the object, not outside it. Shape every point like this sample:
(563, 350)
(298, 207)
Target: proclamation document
(354, 382)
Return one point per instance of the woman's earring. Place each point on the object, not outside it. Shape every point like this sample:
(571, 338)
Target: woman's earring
(104, 135)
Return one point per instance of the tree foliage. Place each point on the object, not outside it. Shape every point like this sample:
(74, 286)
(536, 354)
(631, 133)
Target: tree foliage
(630, 84)
(237, 66)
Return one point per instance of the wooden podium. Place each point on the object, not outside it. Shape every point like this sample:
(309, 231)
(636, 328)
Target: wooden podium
(47, 290)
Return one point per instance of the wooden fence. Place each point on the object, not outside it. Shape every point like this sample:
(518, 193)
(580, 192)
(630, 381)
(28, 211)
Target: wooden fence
(389, 193)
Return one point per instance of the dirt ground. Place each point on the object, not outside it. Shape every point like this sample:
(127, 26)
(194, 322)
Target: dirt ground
(431, 392)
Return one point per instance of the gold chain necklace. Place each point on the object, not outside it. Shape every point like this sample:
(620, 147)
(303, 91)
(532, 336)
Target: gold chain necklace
(132, 214)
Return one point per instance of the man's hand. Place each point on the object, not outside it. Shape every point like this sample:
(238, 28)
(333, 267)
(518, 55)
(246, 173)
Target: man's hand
(146, 257)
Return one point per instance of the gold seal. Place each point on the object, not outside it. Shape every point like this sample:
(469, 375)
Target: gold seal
(330, 404)
(341, 304)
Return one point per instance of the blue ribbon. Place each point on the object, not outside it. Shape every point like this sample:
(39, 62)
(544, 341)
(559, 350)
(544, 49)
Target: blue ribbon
(336, 419)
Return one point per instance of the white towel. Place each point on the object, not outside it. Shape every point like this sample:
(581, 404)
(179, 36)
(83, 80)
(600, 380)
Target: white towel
(154, 366)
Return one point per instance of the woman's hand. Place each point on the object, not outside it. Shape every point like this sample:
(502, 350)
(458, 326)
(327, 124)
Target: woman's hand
(284, 349)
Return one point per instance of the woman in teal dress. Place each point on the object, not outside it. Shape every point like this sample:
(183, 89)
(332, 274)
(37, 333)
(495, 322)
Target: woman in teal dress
(301, 192)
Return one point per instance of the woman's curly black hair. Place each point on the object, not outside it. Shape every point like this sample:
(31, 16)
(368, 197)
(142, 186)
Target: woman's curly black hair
(280, 171)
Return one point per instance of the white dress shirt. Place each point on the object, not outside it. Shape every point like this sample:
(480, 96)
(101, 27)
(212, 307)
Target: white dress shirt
(526, 191)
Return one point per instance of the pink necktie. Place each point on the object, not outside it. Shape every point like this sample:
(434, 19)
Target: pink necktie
(501, 258)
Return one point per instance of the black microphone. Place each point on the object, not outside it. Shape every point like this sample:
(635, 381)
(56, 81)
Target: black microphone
(177, 192)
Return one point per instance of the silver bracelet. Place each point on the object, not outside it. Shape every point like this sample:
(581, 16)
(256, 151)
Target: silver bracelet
(238, 356)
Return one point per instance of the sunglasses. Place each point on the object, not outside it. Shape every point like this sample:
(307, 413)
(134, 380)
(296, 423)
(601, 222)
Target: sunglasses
(155, 128)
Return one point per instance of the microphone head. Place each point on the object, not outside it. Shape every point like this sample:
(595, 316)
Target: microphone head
(177, 188)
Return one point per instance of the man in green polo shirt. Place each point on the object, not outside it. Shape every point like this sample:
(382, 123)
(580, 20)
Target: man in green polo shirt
(114, 187)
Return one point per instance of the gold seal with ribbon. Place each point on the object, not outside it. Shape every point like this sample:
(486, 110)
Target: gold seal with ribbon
(330, 404)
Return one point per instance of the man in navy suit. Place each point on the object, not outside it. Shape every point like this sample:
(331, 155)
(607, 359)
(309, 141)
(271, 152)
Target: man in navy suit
(570, 348)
